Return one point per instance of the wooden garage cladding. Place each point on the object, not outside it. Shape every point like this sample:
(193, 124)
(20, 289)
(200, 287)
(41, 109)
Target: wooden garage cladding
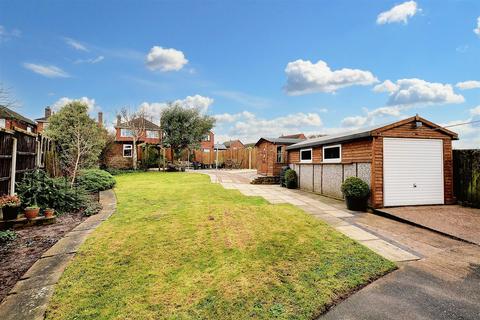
(365, 147)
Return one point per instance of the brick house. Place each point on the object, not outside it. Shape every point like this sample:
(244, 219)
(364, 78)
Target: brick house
(408, 162)
(11, 120)
(234, 145)
(120, 155)
(206, 153)
(271, 154)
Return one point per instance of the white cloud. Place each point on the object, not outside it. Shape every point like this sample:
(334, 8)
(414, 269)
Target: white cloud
(8, 34)
(248, 127)
(65, 100)
(91, 60)
(409, 92)
(466, 85)
(371, 117)
(163, 59)
(475, 111)
(197, 101)
(399, 13)
(468, 133)
(46, 71)
(306, 77)
(477, 29)
(76, 44)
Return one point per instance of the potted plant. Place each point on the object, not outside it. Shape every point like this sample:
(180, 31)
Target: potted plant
(32, 211)
(356, 192)
(291, 179)
(49, 212)
(9, 205)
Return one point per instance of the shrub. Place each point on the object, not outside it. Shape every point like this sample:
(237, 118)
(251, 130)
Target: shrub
(94, 180)
(36, 188)
(355, 187)
(291, 179)
(7, 235)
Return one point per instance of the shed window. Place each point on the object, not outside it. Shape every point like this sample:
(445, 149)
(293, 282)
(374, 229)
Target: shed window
(306, 155)
(127, 150)
(3, 123)
(279, 154)
(332, 153)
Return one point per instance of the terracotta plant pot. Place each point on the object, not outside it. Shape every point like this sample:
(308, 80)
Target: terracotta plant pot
(10, 213)
(31, 213)
(49, 213)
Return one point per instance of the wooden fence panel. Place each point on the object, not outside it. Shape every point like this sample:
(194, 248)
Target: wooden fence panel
(6, 142)
(231, 158)
(466, 177)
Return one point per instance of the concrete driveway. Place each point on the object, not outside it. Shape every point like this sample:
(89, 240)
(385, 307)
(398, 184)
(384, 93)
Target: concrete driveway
(438, 277)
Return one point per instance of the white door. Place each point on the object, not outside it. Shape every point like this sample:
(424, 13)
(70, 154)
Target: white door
(412, 171)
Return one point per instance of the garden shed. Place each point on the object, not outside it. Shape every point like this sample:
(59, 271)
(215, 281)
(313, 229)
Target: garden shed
(271, 155)
(408, 162)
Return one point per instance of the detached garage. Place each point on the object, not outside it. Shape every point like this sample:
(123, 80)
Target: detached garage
(408, 162)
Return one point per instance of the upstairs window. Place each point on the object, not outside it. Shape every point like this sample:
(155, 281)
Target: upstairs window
(127, 133)
(152, 134)
(207, 138)
(127, 150)
(306, 155)
(332, 153)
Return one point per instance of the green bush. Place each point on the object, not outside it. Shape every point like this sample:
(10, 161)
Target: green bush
(94, 180)
(291, 179)
(355, 187)
(7, 235)
(36, 188)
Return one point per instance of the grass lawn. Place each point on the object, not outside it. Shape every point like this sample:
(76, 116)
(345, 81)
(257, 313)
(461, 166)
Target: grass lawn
(180, 247)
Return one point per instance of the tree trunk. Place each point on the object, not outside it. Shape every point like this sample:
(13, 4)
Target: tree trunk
(134, 157)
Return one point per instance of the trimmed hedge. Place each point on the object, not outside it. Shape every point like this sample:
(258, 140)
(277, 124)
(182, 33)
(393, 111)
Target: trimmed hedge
(290, 179)
(94, 180)
(355, 187)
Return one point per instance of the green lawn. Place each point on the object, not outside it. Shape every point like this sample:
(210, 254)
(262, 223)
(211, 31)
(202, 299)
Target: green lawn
(180, 247)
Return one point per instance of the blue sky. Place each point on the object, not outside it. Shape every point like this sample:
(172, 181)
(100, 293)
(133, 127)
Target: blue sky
(263, 68)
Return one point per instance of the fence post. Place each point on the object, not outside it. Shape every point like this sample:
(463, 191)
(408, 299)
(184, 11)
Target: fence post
(13, 167)
(249, 158)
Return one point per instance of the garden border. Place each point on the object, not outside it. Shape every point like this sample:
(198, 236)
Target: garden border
(30, 296)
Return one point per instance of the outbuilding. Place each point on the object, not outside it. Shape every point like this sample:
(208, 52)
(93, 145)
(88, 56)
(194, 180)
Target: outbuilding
(272, 156)
(408, 162)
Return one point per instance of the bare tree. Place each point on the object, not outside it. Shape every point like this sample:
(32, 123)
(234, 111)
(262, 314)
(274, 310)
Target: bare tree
(134, 122)
(6, 97)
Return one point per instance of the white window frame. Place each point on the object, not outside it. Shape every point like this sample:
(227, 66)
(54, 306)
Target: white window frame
(130, 148)
(128, 132)
(206, 150)
(3, 123)
(336, 160)
(152, 134)
(311, 155)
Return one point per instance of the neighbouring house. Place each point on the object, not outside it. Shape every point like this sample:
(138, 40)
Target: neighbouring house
(121, 153)
(295, 136)
(271, 154)
(408, 162)
(234, 144)
(12, 120)
(205, 154)
(42, 123)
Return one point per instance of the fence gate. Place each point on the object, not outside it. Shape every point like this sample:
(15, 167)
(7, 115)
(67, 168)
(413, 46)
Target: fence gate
(466, 177)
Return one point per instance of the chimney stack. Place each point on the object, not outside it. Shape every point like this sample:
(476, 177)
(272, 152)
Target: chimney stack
(119, 120)
(100, 118)
(48, 112)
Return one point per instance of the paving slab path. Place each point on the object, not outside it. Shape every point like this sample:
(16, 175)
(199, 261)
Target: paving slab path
(29, 298)
(438, 277)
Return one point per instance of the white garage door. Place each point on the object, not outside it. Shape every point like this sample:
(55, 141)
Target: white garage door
(412, 171)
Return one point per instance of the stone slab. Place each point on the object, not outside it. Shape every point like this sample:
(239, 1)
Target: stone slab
(48, 265)
(389, 250)
(66, 245)
(356, 233)
(43, 280)
(338, 213)
(26, 305)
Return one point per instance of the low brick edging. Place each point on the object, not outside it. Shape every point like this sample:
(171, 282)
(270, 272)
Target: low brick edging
(30, 296)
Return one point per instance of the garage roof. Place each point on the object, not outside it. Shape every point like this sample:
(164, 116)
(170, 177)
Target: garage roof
(364, 132)
(286, 141)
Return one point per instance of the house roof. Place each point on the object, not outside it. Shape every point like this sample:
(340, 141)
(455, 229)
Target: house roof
(228, 143)
(294, 136)
(138, 123)
(219, 146)
(365, 132)
(10, 114)
(284, 141)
